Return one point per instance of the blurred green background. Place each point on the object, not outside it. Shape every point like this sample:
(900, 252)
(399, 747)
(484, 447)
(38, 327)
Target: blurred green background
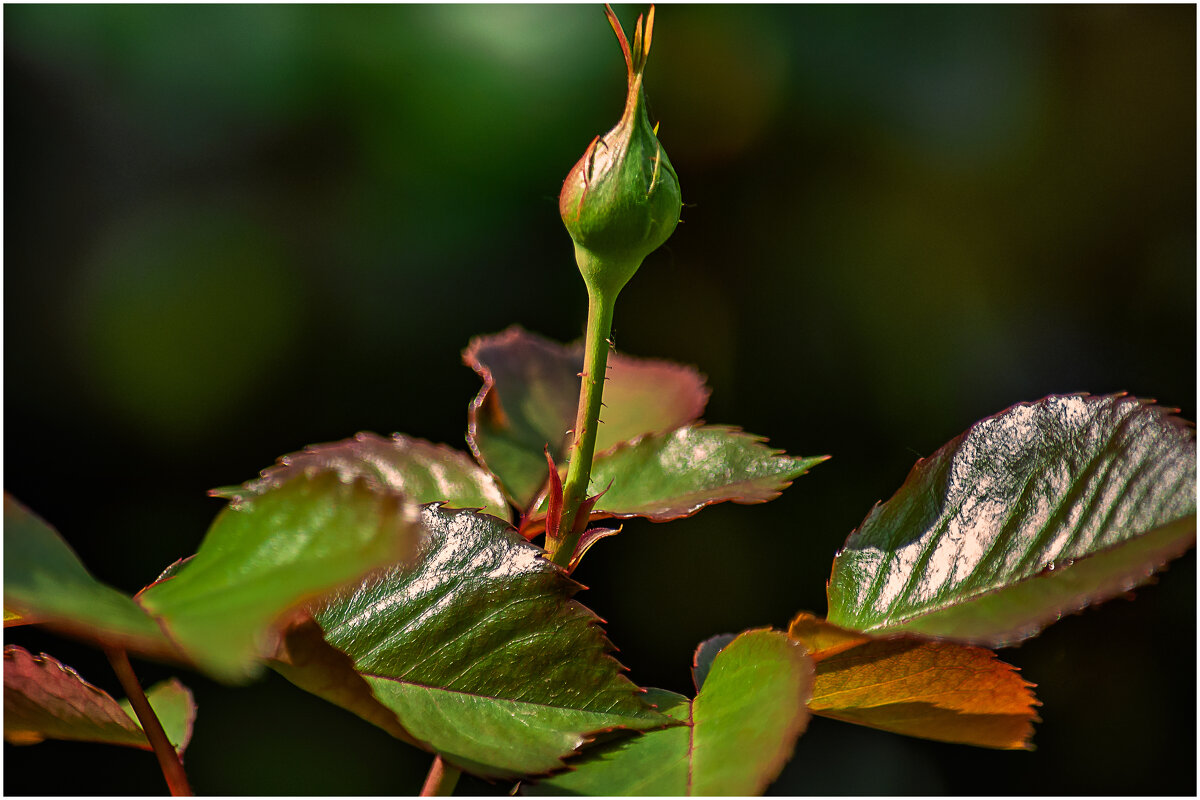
(231, 231)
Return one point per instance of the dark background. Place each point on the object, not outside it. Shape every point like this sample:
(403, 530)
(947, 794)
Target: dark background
(231, 231)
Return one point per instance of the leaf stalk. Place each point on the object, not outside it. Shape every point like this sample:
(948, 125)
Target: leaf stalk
(441, 780)
(168, 759)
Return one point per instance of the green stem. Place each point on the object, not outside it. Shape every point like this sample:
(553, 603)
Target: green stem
(587, 424)
(168, 759)
(441, 779)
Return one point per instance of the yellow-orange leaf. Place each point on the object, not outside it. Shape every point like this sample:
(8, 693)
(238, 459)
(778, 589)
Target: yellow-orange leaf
(931, 689)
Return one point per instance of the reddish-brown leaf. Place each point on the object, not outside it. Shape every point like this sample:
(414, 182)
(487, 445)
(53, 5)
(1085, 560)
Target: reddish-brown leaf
(931, 689)
(529, 398)
(644, 395)
(45, 699)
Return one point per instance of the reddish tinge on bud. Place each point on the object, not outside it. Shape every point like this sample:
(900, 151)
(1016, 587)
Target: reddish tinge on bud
(621, 201)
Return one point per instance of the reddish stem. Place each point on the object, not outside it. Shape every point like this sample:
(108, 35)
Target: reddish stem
(168, 759)
(441, 779)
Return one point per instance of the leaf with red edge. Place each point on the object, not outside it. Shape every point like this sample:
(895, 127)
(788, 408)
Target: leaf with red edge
(422, 471)
(527, 404)
(644, 396)
(479, 651)
(44, 699)
(938, 690)
(1033, 513)
(530, 394)
(673, 475)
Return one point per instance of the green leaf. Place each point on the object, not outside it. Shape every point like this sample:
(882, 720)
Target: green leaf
(480, 652)
(529, 397)
(308, 661)
(735, 737)
(267, 553)
(176, 710)
(1031, 514)
(653, 764)
(45, 582)
(44, 699)
(674, 475)
(421, 471)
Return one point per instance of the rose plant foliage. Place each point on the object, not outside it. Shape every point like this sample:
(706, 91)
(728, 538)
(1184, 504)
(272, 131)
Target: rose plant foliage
(404, 581)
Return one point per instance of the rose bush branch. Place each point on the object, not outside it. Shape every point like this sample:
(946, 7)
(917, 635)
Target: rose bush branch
(620, 202)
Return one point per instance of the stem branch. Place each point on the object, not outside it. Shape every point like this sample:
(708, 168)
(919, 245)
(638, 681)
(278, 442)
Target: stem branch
(168, 759)
(441, 779)
(591, 387)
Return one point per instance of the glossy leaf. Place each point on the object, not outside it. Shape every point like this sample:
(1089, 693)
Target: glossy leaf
(674, 475)
(308, 661)
(265, 554)
(735, 737)
(1031, 514)
(938, 690)
(421, 471)
(529, 397)
(480, 653)
(44, 699)
(44, 581)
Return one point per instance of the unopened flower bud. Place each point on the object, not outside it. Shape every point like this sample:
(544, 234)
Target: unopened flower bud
(621, 200)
